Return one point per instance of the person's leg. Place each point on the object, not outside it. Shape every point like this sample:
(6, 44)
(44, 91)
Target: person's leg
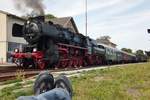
(27, 98)
(62, 88)
(55, 94)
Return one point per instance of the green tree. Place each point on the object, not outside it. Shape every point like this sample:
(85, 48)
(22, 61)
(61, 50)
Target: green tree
(49, 16)
(140, 52)
(141, 56)
(147, 53)
(103, 38)
(127, 50)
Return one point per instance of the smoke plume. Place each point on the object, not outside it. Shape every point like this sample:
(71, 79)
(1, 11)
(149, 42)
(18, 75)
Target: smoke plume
(35, 7)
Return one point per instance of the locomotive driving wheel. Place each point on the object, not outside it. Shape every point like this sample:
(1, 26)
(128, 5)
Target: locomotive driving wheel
(70, 63)
(80, 62)
(75, 63)
(64, 63)
(41, 64)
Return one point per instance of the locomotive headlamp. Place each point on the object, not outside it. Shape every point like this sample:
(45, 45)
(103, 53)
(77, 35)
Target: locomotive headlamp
(34, 49)
(28, 22)
(16, 50)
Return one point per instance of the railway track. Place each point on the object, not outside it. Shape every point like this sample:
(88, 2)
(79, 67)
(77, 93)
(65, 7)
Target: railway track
(11, 72)
(12, 75)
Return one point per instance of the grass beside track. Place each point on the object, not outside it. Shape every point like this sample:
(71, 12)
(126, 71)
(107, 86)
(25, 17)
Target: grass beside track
(128, 82)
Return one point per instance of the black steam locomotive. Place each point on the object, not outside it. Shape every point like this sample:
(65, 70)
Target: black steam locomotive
(50, 45)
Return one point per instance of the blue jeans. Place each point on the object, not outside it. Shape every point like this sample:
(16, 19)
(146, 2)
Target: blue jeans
(55, 94)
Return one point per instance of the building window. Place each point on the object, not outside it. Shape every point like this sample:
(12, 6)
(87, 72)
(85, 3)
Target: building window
(17, 30)
(11, 47)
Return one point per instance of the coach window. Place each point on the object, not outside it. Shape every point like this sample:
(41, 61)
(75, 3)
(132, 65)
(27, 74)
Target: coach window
(109, 52)
(100, 46)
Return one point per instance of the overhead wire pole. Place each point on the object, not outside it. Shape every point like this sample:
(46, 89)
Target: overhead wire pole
(86, 18)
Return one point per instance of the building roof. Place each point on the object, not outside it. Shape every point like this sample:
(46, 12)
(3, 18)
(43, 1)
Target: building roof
(9, 14)
(64, 22)
(102, 44)
(106, 40)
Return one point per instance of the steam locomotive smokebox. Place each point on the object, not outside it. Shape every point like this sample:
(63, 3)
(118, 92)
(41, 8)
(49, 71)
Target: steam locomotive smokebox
(36, 28)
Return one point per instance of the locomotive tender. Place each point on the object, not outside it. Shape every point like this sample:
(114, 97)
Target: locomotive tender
(50, 45)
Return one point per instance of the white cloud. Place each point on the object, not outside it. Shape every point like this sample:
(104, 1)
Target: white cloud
(77, 7)
(8, 6)
(126, 30)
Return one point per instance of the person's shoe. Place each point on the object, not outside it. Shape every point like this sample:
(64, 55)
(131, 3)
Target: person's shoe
(43, 83)
(64, 83)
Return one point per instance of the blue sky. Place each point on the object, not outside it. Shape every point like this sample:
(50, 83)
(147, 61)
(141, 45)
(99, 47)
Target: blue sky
(125, 21)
